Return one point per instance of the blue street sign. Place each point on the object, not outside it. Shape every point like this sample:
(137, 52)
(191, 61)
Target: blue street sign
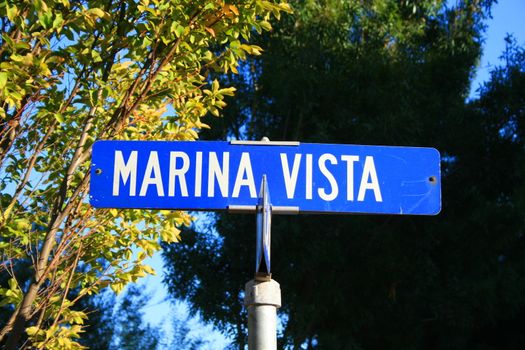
(304, 177)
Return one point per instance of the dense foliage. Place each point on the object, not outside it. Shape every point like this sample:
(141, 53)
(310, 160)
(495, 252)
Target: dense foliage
(75, 72)
(391, 73)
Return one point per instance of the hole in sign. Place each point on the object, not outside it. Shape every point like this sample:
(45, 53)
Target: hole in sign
(98, 171)
(432, 180)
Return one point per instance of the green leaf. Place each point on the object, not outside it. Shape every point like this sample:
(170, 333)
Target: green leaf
(146, 41)
(12, 11)
(59, 117)
(46, 19)
(58, 21)
(98, 13)
(215, 86)
(3, 79)
(265, 25)
(209, 6)
(178, 30)
(31, 331)
(148, 269)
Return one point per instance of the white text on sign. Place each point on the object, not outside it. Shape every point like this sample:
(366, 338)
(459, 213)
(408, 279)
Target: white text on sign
(126, 177)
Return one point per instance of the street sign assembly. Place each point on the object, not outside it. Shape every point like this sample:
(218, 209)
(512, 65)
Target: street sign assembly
(301, 177)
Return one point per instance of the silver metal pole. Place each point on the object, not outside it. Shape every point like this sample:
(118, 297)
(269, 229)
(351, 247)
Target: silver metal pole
(262, 299)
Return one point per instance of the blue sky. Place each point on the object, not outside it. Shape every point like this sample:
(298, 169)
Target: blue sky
(507, 18)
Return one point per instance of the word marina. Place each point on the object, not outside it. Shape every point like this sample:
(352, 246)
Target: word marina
(215, 174)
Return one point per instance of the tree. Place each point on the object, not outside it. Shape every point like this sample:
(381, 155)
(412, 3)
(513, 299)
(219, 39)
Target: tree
(72, 73)
(130, 332)
(181, 335)
(118, 323)
(382, 73)
(99, 330)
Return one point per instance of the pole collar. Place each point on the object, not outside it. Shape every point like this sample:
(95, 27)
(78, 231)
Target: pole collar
(262, 293)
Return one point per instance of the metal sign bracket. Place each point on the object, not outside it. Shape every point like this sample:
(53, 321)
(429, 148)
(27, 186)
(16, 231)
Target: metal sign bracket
(263, 233)
(265, 142)
(278, 210)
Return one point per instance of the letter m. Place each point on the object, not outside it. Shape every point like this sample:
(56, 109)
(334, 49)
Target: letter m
(126, 171)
